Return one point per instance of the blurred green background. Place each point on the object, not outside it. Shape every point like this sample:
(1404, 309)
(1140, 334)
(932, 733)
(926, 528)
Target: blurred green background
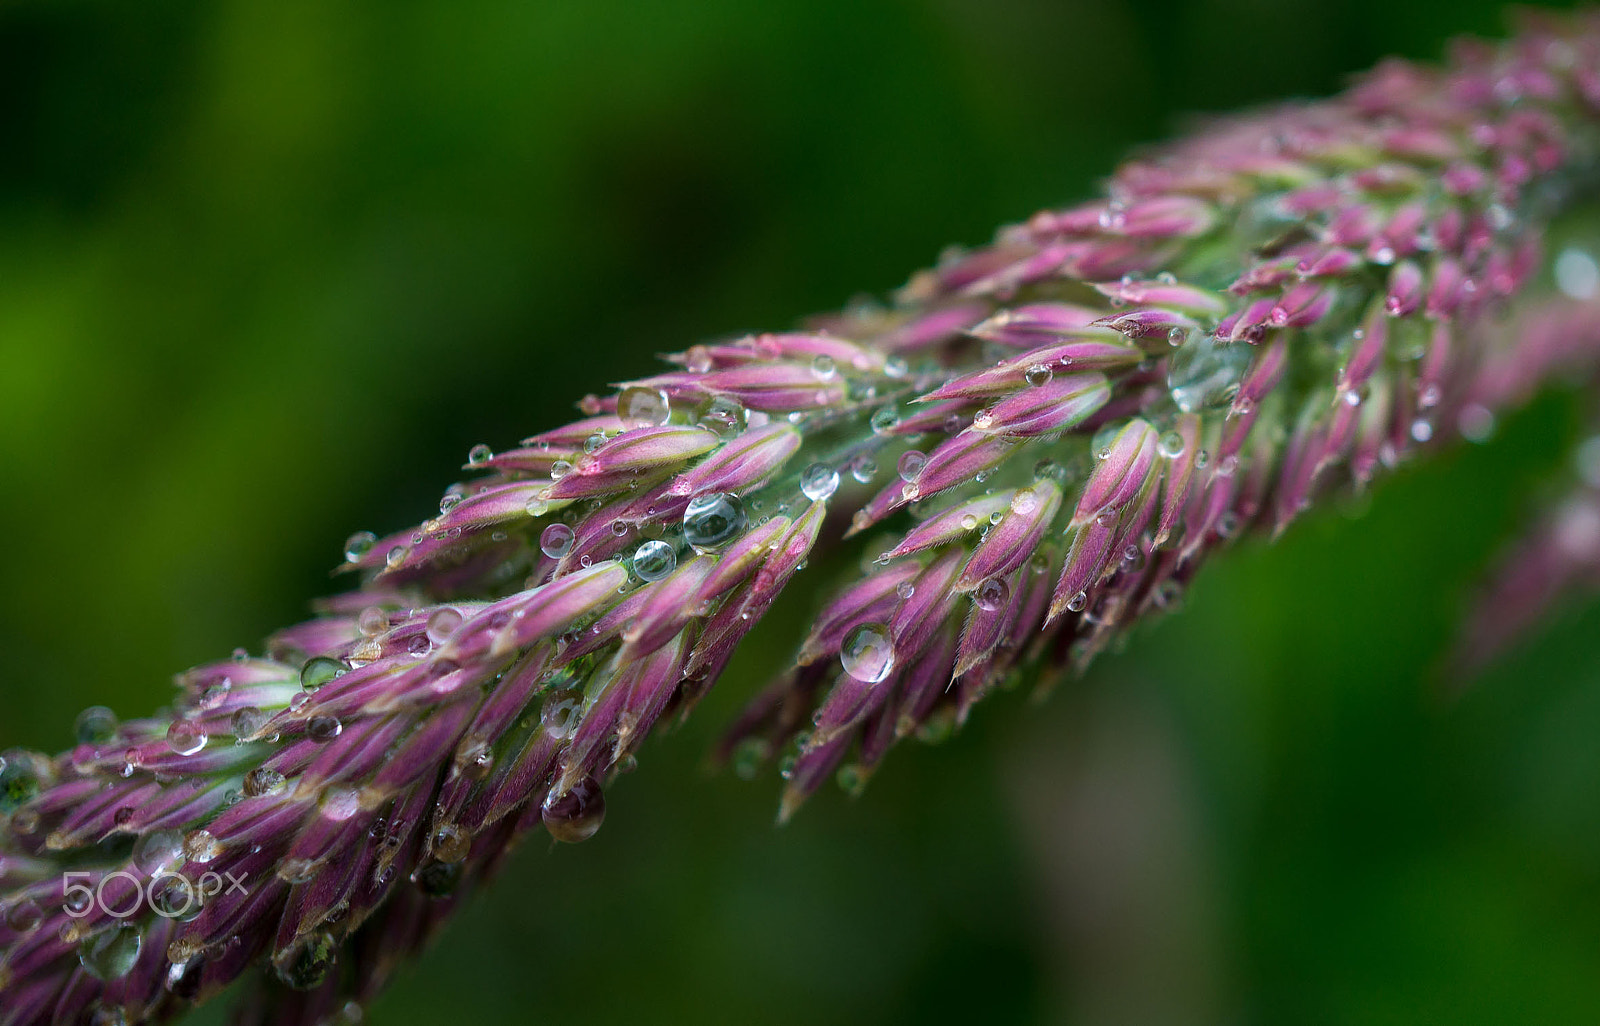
(269, 267)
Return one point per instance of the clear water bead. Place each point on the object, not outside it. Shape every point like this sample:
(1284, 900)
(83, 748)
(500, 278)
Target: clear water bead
(638, 406)
(358, 545)
(863, 468)
(96, 725)
(722, 416)
(1170, 445)
(111, 954)
(867, 654)
(185, 737)
(1038, 375)
(479, 454)
(992, 594)
(910, 465)
(884, 420)
(555, 541)
(711, 521)
(320, 670)
(157, 851)
(654, 560)
(824, 368)
(1203, 374)
(818, 482)
(441, 624)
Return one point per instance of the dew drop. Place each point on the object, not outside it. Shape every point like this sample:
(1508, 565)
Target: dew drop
(969, 522)
(818, 482)
(396, 557)
(324, 728)
(201, 846)
(307, 962)
(1421, 430)
(96, 725)
(1078, 601)
(576, 815)
(867, 654)
(896, 367)
(560, 713)
(320, 670)
(450, 843)
(639, 406)
(824, 368)
(18, 785)
(992, 594)
(443, 622)
(247, 722)
(111, 954)
(713, 520)
(479, 454)
(905, 589)
(263, 782)
(158, 850)
(1171, 445)
(1204, 374)
(185, 737)
(697, 359)
(722, 416)
(863, 468)
(884, 420)
(1024, 501)
(1037, 375)
(654, 560)
(560, 469)
(555, 541)
(910, 465)
(358, 545)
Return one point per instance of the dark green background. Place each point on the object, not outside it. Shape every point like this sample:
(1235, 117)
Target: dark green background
(268, 268)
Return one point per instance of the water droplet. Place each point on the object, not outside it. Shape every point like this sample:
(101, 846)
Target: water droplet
(442, 623)
(323, 728)
(1171, 445)
(884, 420)
(111, 954)
(560, 469)
(654, 560)
(479, 454)
(1024, 501)
(96, 725)
(722, 416)
(639, 406)
(157, 851)
(818, 482)
(1204, 374)
(555, 541)
(185, 737)
(560, 712)
(1177, 336)
(307, 962)
(1475, 422)
(992, 594)
(576, 815)
(824, 368)
(1037, 375)
(867, 654)
(1101, 443)
(201, 846)
(1078, 601)
(449, 501)
(697, 359)
(1428, 397)
(713, 520)
(896, 367)
(23, 915)
(910, 465)
(1577, 274)
(450, 843)
(247, 721)
(320, 670)
(396, 557)
(358, 545)
(263, 782)
(1421, 430)
(905, 589)
(863, 468)
(969, 522)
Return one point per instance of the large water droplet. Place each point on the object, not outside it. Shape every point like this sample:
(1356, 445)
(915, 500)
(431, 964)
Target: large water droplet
(863, 468)
(818, 482)
(158, 850)
(823, 367)
(1171, 445)
(262, 781)
(358, 545)
(186, 737)
(992, 594)
(110, 954)
(555, 541)
(711, 521)
(722, 416)
(450, 843)
(320, 670)
(867, 653)
(201, 846)
(479, 454)
(884, 420)
(654, 560)
(441, 624)
(96, 725)
(639, 406)
(307, 962)
(1204, 374)
(560, 712)
(1038, 375)
(323, 728)
(576, 815)
(910, 465)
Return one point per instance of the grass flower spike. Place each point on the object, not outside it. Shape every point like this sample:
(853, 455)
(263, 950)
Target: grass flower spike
(1034, 446)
